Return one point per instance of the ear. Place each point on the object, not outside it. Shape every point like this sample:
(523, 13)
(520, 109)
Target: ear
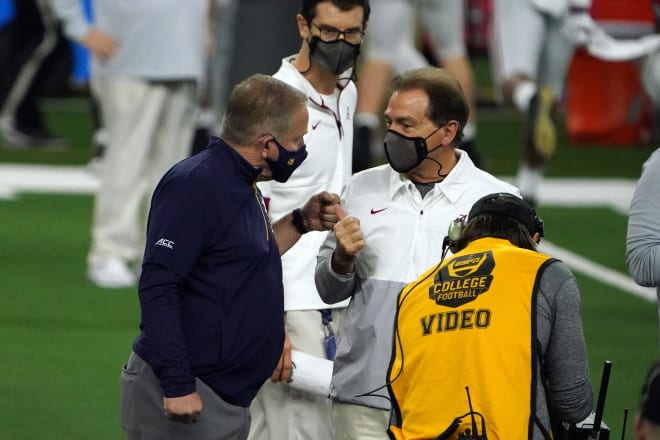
(264, 142)
(450, 133)
(303, 28)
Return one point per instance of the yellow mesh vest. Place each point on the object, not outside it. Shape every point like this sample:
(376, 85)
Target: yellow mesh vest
(467, 324)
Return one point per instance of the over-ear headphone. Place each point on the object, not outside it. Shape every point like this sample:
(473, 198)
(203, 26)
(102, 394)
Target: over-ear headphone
(505, 204)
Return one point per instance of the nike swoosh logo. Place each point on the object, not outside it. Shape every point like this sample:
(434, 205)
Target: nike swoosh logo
(376, 211)
(315, 125)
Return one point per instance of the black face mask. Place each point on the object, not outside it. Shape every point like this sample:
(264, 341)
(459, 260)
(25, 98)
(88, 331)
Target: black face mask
(334, 56)
(286, 162)
(405, 153)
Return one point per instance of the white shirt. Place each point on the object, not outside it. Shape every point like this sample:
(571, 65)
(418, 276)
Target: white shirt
(403, 235)
(328, 167)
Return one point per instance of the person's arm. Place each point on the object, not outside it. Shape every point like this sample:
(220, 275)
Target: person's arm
(77, 28)
(643, 236)
(559, 327)
(318, 214)
(159, 294)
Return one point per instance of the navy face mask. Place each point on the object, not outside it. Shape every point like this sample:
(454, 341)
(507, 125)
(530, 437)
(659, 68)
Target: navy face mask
(334, 56)
(405, 153)
(286, 162)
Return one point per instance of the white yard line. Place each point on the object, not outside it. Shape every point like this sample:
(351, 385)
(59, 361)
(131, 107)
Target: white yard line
(598, 271)
(615, 193)
(15, 179)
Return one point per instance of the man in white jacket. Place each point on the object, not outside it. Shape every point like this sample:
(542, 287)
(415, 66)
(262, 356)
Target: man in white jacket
(397, 216)
(331, 32)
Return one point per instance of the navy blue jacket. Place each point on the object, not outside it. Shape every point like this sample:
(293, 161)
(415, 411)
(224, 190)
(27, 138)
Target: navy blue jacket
(211, 295)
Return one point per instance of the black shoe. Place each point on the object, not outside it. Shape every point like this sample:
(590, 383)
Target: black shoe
(362, 136)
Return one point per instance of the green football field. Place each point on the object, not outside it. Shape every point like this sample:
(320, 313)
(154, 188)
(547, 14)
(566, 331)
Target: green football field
(64, 341)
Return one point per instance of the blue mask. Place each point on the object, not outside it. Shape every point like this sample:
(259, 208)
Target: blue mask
(286, 162)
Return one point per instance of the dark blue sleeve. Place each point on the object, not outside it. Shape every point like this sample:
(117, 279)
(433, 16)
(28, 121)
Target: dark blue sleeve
(177, 234)
(179, 223)
(160, 303)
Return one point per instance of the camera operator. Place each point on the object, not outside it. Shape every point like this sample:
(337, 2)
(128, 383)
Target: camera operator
(490, 343)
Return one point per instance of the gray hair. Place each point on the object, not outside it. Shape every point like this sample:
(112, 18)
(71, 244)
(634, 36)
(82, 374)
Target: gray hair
(260, 105)
(446, 99)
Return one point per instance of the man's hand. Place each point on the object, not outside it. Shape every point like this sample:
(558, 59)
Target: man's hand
(184, 409)
(284, 367)
(350, 241)
(100, 44)
(319, 212)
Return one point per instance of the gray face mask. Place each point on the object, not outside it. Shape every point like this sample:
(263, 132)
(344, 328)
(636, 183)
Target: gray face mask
(334, 56)
(405, 153)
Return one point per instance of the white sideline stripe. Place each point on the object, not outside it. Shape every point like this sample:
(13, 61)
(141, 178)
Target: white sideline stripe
(15, 179)
(598, 271)
(573, 192)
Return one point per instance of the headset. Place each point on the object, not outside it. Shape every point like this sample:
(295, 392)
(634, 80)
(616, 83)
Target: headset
(505, 204)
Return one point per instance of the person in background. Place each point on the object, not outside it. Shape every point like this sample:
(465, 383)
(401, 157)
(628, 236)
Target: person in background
(643, 234)
(211, 294)
(393, 219)
(391, 48)
(331, 32)
(36, 60)
(530, 73)
(497, 306)
(144, 77)
(647, 420)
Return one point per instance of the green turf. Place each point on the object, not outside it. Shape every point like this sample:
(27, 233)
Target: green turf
(63, 340)
(598, 232)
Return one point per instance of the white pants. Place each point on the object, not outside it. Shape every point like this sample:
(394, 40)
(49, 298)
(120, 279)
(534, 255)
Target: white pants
(527, 41)
(392, 31)
(281, 412)
(356, 422)
(150, 127)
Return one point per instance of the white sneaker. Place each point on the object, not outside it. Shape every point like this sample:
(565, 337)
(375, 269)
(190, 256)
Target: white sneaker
(111, 273)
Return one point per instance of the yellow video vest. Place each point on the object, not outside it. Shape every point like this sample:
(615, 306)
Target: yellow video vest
(469, 323)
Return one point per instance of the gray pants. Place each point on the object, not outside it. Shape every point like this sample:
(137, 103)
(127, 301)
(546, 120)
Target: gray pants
(143, 417)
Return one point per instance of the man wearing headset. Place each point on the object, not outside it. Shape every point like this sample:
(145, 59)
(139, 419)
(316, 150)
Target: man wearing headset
(490, 343)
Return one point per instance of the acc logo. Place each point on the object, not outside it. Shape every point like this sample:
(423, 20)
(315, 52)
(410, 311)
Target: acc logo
(165, 242)
(463, 279)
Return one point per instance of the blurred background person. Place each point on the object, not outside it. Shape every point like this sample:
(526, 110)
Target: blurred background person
(146, 87)
(391, 48)
(530, 55)
(36, 60)
(77, 22)
(331, 32)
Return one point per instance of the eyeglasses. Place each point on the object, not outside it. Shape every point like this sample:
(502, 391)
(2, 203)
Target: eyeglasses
(328, 33)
